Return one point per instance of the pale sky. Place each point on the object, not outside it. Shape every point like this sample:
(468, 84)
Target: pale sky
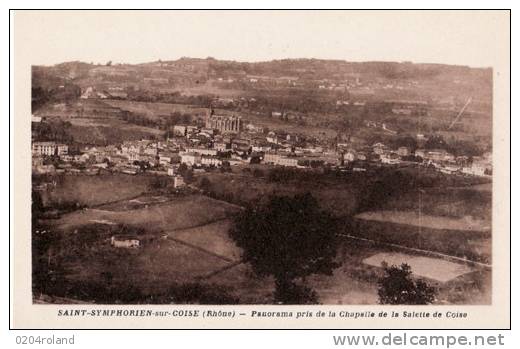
(471, 38)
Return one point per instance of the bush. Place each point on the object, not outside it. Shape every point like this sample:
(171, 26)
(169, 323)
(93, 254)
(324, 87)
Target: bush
(398, 287)
(295, 294)
(258, 172)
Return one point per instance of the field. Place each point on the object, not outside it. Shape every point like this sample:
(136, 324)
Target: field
(109, 131)
(94, 121)
(157, 110)
(154, 110)
(340, 199)
(180, 213)
(449, 220)
(425, 267)
(211, 89)
(472, 245)
(187, 256)
(212, 237)
(471, 202)
(95, 190)
(421, 220)
(183, 238)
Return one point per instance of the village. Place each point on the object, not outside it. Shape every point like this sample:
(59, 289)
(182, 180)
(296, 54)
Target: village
(147, 170)
(229, 141)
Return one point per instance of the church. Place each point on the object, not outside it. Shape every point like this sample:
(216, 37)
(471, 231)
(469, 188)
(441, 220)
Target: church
(224, 123)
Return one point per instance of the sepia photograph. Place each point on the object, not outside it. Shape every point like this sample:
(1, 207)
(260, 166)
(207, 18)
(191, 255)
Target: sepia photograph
(184, 162)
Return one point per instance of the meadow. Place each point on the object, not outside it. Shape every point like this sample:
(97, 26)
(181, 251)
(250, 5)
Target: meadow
(187, 256)
(95, 190)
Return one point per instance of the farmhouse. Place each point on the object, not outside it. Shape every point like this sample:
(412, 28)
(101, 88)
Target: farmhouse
(220, 146)
(210, 161)
(178, 182)
(391, 158)
(403, 151)
(379, 148)
(277, 159)
(122, 241)
(349, 156)
(168, 158)
(402, 111)
(190, 158)
(179, 130)
(202, 151)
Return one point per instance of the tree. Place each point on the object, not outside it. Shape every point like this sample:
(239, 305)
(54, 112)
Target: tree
(158, 183)
(435, 142)
(182, 169)
(407, 141)
(389, 185)
(258, 172)
(205, 184)
(226, 167)
(37, 207)
(288, 238)
(398, 287)
(188, 176)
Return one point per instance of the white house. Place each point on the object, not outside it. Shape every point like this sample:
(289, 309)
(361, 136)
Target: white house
(178, 182)
(190, 159)
(49, 148)
(125, 242)
(403, 151)
(349, 156)
(211, 160)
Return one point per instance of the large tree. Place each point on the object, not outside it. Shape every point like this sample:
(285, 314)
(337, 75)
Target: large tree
(289, 238)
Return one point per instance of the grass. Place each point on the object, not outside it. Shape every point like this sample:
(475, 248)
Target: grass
(154, 109)
(243, 283)
(472, 245)
(210, 237)
(242, 189)
(422, 220)
(461, 202)
(109, 131)
(97, 122)
(198, 250)
(152, 269)
(426, 267)
(96, 190)
(180, 213)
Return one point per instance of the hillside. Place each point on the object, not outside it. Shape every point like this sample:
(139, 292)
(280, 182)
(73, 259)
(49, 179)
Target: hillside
(408, 98)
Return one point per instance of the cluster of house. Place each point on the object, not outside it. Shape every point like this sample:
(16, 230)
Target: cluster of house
(345, 155)
(226, 141)
(440, 159)
(112, 92)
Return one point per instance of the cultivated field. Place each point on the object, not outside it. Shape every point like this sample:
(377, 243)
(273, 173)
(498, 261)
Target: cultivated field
(471, 202)
(95, 190)
(184, 241)
(241, 189)
(178, 213)
(187, 256)
(212, 237)
(422, 220)
(472, 245)
(156, 109)
(109, 131)
(431, 268)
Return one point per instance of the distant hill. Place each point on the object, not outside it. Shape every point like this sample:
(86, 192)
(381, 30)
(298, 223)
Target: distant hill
(299, 68)
(324, 80)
